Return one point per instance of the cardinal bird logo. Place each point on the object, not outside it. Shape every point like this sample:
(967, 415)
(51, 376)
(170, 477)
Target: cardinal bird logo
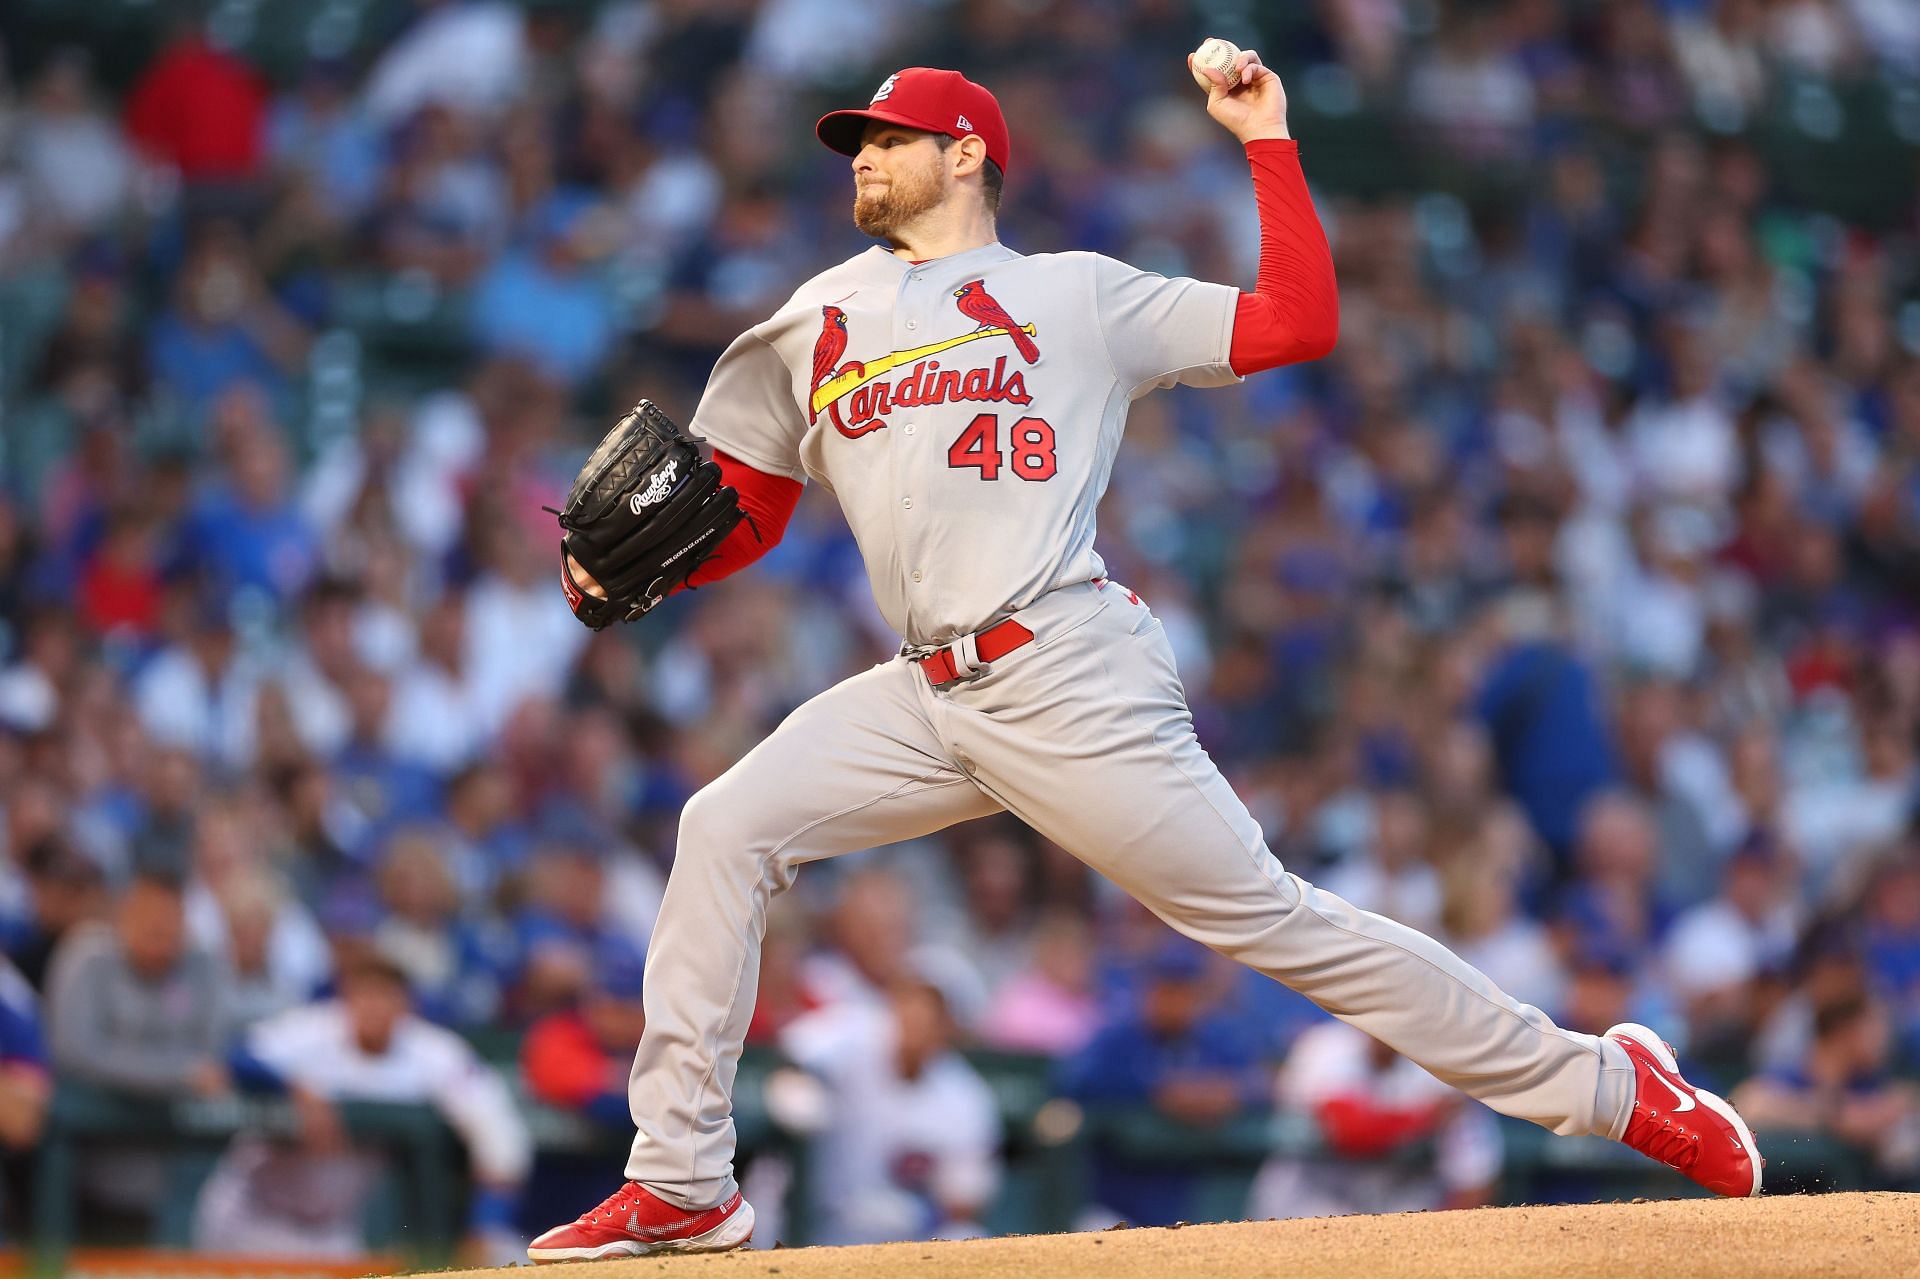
(978, 305)
(827, 350)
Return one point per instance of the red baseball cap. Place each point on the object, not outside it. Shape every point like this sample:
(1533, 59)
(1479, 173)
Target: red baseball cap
(924, 98)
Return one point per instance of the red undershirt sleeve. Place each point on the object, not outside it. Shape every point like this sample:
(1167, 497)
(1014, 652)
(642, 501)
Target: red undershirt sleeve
(768, 501)
(1293, 314)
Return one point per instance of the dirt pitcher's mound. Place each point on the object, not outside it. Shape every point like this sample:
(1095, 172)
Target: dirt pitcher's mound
(1766, 1238)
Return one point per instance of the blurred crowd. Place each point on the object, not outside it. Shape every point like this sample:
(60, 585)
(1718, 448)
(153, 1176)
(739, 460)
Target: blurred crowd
(1570, 611)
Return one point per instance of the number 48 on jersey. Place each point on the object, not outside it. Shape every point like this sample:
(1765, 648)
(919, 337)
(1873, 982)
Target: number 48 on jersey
(1030, 443)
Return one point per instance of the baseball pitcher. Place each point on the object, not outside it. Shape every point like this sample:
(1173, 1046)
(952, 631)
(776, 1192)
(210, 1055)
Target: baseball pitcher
(964, 403)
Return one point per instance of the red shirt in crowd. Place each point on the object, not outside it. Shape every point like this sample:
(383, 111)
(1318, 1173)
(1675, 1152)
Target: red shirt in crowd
(200, 109)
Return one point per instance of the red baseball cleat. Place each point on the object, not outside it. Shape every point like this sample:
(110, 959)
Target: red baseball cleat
(1686, 1128)
(635, 1222)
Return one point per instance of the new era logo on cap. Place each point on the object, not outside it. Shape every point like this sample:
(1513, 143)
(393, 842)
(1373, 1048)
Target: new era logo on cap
(963, 124)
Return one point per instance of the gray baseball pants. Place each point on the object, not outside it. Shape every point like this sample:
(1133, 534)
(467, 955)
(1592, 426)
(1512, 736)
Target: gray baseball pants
(1085, 735)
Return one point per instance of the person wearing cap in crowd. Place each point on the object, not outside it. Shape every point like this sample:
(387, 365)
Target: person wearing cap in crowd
(910, 1149)
(1603, 988)
(563, 918)
(308, 1197)
(578, 1058)
(64, 889)
(539, 300)
(1175, 1051)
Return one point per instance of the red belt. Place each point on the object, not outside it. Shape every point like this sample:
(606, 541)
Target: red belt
(991, 644)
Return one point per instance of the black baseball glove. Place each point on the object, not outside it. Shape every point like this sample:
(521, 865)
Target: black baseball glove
(644, 513)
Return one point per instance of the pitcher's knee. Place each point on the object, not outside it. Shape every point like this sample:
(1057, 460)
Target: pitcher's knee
(719, 823)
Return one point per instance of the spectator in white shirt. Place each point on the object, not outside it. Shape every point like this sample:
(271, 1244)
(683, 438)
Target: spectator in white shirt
(1835, 820)
(239, 913)
(471, 57)
(1715, 949)
(200, 693)
(76, 165)
(911, 1147)
(520, 638)
(1685, 445)
(1398, 1140)
(432, 722)
(1390, 874)
(307, 1198)
(314, 676)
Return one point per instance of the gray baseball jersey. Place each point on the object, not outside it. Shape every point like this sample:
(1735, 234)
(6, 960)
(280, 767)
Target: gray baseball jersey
(965, 412)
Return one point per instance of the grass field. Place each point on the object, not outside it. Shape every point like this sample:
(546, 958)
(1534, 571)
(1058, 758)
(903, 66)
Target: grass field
(1765, 1238)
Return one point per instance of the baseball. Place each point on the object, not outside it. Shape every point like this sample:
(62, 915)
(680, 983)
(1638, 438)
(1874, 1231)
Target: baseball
(1219, 55)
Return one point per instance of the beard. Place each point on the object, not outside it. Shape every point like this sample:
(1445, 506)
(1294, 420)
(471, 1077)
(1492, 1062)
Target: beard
(881, 212)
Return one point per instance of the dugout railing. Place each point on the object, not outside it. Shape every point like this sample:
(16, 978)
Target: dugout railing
(419, 1209)
(1048, 1144)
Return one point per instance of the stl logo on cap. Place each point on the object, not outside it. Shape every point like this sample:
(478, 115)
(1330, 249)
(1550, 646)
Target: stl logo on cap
(885, 90)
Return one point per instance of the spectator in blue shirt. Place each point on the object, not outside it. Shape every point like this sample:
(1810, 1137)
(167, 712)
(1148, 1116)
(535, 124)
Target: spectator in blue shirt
(457, 966)
(545, 300)
(1616, 856)
(1542, 709)
(318, 131)
(1893, 944)
(223, 329)
(25, 1085)
(1176, 1051)
(561, 927)
(384, 791)
(246, 529)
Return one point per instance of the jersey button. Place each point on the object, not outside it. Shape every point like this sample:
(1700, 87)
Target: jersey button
(913, 324)
(916, 575)
(908, 428)
(907, 502)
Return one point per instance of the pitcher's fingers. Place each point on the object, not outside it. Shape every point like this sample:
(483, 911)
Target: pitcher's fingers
(1252, 70)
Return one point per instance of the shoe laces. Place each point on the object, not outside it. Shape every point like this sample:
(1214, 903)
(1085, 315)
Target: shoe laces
(617, 1204)
(1673, 1144)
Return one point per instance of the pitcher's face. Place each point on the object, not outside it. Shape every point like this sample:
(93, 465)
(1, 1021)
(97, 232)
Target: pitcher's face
(898, 175)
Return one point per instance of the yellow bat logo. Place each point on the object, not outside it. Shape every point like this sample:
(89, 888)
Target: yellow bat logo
(856, 375)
